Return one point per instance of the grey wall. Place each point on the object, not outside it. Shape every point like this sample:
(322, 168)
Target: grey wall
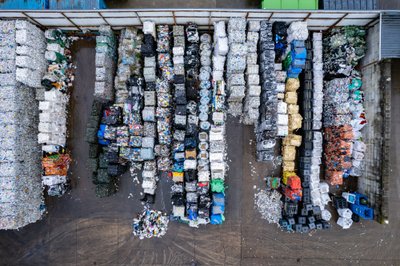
(374, 181)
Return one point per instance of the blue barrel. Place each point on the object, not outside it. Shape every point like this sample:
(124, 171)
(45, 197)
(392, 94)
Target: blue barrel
(77, 4)
(24, 4)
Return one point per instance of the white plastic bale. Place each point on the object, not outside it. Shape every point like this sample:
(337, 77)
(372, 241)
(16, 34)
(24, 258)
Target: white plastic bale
(253, 25)
(149, 27)
(221, 46)
(345, 223)
(218, 63)
(219, 29)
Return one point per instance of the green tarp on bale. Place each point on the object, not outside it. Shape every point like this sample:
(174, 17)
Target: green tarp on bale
(217, 185)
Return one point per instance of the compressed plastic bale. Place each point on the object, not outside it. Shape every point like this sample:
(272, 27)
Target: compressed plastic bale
(282, 107)
(292, 84)
(218, 63)
(219, 29)
(293, 140)
(288, 166)
(289, 153)
(293, 109)
(291, 97)
(221, 46)
(253, 25)
(235, 64)
(251, 58)
(295, 121)
(149, 27)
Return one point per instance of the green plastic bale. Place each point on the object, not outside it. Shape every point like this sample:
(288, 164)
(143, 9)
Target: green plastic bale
(93, 164)
(287, 62)
(217, 185)
(103, 162)
(105, 190)
(94, 150)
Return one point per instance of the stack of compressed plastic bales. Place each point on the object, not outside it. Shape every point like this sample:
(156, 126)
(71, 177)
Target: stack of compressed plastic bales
(149, 131)
(280, 35)
(105, 64)
(266, 130)
(192, 64)
(338, 131)
(29, 59)
(312, 155)
(253, 91)
(293, 64)
(217, 138)
(180, 120)
(164, 98)
(344, 114)
(21, 200)
(236, 65)
(126, 62)
(203, 162)
(53, 112)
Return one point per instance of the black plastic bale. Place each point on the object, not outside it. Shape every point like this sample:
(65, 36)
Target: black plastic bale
(105, 190)
(94, 150)
(112, 157)
(96, 108)
(93, 164)
(115, 169)
(103, 177)
(103, 162)
(93, 121)
(91, 135)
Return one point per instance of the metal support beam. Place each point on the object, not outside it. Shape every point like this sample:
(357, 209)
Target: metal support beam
(34, 21)
(73, 23)
(338, 21)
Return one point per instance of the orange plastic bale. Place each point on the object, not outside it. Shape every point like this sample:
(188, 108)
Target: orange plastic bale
(334, 177)
(294, 182)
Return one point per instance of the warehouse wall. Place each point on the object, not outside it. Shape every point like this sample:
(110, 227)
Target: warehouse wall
(372, 183)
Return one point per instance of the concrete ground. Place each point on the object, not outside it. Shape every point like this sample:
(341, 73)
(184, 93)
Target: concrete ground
(81, 229)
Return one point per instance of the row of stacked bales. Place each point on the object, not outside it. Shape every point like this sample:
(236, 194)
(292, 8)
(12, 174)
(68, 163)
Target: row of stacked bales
(22, 66)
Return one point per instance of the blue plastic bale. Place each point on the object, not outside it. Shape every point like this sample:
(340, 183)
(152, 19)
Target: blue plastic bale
(216, 219)
(25, 4)
(77, 4)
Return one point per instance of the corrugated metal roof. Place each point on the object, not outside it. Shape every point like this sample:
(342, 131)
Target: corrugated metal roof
(350, 4)
(390, 35)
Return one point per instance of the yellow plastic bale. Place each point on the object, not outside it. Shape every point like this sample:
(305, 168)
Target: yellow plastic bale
(295, 121)
(288, 166)
(289, 153)
(177, 177)
(292, 84)
(293, 140)
(291, 97)
(281, 96)
(286, 175)
(293, 109)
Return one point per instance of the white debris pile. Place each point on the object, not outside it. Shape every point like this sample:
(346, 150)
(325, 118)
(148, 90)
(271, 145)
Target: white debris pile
(269, 204)
(150, 224)
(21, 200)
(105, 64)
(253, 88)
